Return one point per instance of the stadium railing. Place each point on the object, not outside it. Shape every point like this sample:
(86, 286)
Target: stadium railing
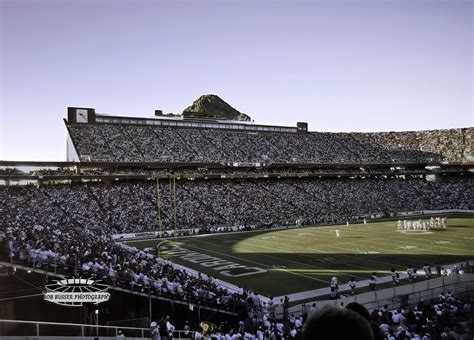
(406, 295)
(23, 328)
(411, 299)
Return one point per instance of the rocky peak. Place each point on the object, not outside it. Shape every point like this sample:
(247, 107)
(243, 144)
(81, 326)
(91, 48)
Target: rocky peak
(212, 106)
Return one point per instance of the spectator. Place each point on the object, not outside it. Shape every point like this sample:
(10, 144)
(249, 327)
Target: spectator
(337, 323)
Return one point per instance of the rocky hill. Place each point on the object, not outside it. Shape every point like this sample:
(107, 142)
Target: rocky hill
(211, 106)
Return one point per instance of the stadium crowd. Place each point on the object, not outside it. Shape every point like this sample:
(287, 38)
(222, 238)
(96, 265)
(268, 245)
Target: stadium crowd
(131, 206)
(79, 251)
(127, 143)
(69, 226)
(93, 254)
(443, 318)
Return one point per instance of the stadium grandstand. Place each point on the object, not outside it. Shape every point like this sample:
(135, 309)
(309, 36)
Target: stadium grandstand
(95, 137)
(180, 218)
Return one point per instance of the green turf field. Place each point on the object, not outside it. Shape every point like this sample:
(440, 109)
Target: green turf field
(293, 260)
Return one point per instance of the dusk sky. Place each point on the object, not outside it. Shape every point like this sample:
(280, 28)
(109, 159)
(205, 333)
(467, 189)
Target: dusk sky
(338, 65)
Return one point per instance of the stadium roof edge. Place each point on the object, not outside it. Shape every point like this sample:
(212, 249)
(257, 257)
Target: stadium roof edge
(92, 115)
(88, 116)
(5, 163)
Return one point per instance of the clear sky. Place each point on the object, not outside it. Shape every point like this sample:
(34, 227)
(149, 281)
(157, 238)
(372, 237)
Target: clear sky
(339, 65)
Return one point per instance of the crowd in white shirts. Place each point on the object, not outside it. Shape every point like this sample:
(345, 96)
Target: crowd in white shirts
(443, 318)
(86, 253)
(131, 143)
(131, 206)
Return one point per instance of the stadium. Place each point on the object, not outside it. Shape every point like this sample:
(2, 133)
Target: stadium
(206, 221)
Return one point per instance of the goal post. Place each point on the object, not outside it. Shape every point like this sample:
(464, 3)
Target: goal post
(158, 204)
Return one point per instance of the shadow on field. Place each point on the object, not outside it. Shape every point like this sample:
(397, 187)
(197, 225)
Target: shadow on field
(290, 273)
(285, 272)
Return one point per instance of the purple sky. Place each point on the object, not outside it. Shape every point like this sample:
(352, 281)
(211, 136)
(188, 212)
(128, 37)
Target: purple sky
(339, 65)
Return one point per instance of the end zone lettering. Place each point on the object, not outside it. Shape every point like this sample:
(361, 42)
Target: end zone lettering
(224, 267)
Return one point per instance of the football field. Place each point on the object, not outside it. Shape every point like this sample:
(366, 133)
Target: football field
(280, 262)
